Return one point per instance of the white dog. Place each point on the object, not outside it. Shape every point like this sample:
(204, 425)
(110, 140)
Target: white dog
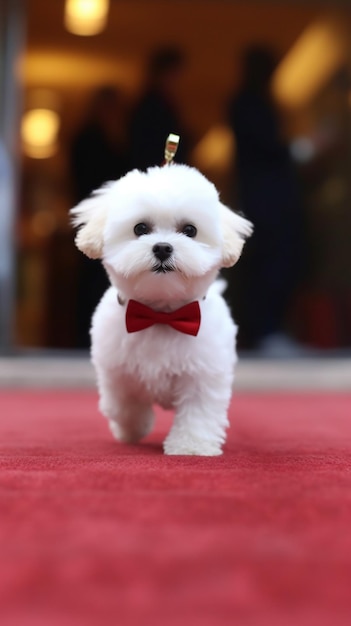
(162, 236)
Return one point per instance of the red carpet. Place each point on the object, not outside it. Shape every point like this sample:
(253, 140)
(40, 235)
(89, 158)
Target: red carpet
(96, 533)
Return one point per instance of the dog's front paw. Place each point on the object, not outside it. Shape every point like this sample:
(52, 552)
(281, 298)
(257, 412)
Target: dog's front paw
(191, 446)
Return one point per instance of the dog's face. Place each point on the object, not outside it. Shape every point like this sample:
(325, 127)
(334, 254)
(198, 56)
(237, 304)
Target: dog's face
(162, 234)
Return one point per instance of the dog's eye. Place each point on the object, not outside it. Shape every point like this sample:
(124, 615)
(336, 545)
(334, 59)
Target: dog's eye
(141, 229)
(189, 230)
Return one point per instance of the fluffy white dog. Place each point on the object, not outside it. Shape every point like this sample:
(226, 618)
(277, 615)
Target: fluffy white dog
(162, 332)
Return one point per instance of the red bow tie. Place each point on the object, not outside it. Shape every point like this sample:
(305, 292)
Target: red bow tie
(185, 320)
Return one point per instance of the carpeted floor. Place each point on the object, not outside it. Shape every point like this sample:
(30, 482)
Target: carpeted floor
(96, 533)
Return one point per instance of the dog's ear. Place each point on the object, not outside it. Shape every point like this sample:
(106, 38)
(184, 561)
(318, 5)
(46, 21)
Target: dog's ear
(90, 216)
(236, 229)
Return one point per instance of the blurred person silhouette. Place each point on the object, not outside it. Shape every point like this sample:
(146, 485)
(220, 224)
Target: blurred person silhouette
(99, 153)
(156, 114)
(268, 195)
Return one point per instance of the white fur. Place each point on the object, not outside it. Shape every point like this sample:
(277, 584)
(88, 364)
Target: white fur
(193, 375)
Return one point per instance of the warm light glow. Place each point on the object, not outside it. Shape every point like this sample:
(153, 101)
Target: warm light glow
(66, 69)
(310, 63)
(215, 150)
(39, 131)
(86, 17)
(43, 223)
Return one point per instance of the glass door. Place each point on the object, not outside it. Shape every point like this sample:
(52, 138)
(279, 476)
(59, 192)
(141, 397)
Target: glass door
(10, 47)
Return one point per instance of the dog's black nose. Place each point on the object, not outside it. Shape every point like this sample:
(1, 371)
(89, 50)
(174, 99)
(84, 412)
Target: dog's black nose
(162, 250)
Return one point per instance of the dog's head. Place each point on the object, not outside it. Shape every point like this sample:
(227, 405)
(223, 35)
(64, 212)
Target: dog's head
(160, 231)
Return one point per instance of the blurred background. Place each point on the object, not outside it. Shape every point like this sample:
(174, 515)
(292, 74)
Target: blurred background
(261, 94)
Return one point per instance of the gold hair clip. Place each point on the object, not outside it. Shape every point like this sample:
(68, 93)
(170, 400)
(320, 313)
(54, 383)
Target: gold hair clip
(171, 147)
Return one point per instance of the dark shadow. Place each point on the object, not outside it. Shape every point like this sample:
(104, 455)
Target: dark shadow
(268, 194)
(98, 154)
